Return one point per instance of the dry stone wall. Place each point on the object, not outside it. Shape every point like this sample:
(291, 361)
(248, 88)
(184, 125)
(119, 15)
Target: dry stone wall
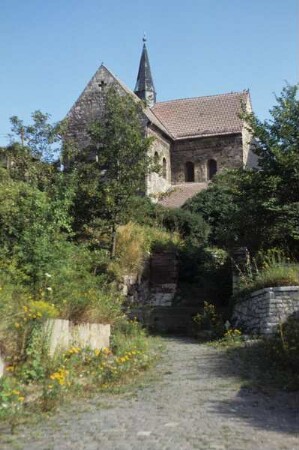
(265, 309)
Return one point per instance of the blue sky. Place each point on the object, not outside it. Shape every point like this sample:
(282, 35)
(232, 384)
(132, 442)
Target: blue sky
(51, 48)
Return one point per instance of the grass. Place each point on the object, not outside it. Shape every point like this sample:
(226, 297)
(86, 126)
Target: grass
(274, 270)
(266, 363)
(134, 243)
(258, 369)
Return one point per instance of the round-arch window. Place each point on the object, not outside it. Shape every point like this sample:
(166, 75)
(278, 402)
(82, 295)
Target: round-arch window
(164, 169)
(212, 168)
(189, 172)
(156, 161)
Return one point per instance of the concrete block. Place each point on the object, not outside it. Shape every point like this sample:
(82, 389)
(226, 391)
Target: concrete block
(62, 334)
(93, 335)
(58, 331)
(2, 365)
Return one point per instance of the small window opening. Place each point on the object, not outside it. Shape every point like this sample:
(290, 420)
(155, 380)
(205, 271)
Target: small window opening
(189, 172)
(212, 168)
(164, 169)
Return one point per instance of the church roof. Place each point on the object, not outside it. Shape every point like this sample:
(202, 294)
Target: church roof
(202, 116)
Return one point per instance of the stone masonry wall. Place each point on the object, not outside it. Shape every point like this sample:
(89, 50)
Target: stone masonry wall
(88, 108)
(157, 285)
(226, 150)
(263, 310)
(156, 183)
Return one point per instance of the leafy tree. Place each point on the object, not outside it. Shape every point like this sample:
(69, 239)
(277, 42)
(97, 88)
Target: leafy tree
(113, 169)
(30, 224)
(39, 136)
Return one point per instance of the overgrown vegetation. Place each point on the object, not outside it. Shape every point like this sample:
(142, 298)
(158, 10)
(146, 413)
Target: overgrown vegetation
(268, 269)
(60, 257)
(267, 364)
(40, 383)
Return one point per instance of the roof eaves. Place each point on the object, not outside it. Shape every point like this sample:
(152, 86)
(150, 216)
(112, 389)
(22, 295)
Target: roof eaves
(195, 136)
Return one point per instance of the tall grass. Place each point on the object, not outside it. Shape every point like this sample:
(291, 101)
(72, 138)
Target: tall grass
(268, 269)
(135, 242)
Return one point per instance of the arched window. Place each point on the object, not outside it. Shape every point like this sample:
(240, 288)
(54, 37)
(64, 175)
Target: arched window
(156, 161)
(212, 168)
(189, 172)
(164, 169)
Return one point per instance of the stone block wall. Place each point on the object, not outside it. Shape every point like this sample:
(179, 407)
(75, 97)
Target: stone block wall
(226, 150)
(157, 285)
(163, 277)
(265, 309)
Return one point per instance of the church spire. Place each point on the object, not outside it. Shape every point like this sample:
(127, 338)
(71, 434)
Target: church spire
(144, 85)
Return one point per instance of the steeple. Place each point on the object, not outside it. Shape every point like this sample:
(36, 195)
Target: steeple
(144, 85)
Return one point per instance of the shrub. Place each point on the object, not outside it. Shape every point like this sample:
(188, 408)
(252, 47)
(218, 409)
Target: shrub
(284, 346)
(209, 324)
(188, 225)
(206, 270)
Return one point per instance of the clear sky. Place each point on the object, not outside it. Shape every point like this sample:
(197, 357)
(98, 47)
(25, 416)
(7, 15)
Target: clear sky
(51, 48)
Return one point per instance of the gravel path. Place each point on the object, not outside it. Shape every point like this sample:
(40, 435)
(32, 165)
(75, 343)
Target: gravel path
(195, 403)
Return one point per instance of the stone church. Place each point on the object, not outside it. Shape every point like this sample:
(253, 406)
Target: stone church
(194, 138)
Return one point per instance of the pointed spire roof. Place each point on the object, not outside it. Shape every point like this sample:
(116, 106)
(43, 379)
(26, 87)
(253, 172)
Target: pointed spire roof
(145, 88)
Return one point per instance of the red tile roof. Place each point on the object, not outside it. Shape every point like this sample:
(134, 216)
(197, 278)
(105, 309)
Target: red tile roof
(180, 193)
(202, 116)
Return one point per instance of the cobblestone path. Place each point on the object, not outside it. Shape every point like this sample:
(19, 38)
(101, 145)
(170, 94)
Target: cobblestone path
(195, 403)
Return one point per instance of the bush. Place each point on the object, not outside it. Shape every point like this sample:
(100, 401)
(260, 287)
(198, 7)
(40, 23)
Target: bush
(284, 346)
(188, 225)
(206, 270)
(209, 324)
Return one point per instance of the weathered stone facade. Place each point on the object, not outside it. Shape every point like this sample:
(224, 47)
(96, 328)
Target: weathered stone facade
(159, 182)
(226, 150)
(265, 309)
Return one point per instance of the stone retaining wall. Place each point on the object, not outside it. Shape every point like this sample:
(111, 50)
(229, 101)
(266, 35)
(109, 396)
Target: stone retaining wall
(263, 310)
(157, 284)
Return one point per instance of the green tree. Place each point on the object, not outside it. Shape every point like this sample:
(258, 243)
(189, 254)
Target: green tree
(31, 222)
(39, 137)
(113, 169)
